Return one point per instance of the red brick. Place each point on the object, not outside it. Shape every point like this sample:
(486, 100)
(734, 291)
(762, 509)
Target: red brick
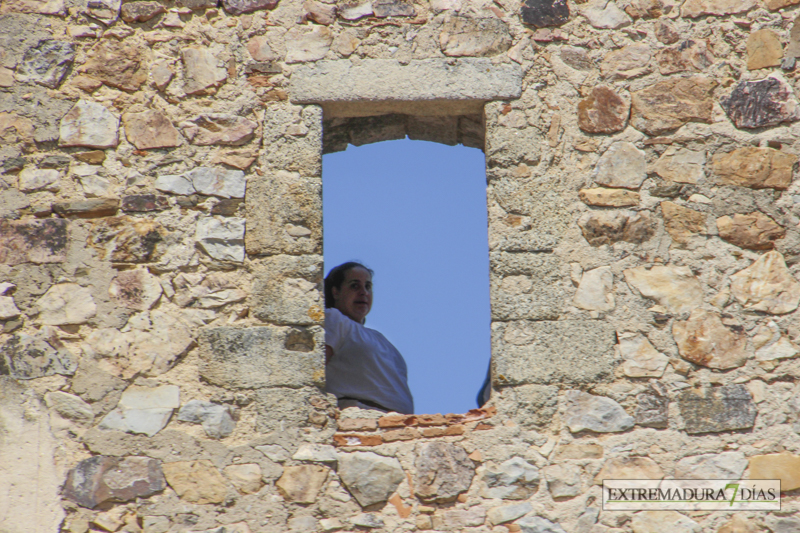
(396, 421)
(431, 420)
(341, 439)
(433, 432)
(454, 430)
(400, 434)
(357, 424)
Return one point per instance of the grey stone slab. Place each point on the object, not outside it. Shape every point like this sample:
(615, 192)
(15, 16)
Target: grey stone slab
(288, 290)
(246, 358)
(718, 409)
(525, 286)
(369, 477)
(571, 352)
(387, 79)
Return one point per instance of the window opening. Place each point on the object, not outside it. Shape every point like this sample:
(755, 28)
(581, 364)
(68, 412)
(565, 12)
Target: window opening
(415, 212)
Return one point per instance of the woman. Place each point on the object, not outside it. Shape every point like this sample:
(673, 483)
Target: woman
(363, 369)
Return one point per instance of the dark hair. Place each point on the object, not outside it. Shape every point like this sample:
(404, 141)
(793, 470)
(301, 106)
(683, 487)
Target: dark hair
(336, 276)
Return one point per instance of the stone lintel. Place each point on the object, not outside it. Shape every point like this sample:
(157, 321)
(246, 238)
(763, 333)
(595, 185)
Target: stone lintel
(381, 80)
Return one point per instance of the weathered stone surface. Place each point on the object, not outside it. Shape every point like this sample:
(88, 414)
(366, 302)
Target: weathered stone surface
(608, 197)
(629, 468)
(595, 292)
(674, 287)
(627, 62)
(663, 521)
(33, 241)
(754, 167)
(245, 477)
(698, 8)
(705, 340)
(767, 285)
(89, 124)
(162, 73)
(717, 409)
(216, 419)
(783, 466)
(319, 12)
(302, 483)
(594, 413)
(603, 111)
(622, 165)
(771, 344)
(196, 481)
(532, 405)
(578, 451)
(237, 7)
(608, 227)
(151, 344)
(563, 480)
(34, 179)
(219, 128)
(739, 524)
(8, 308)
(66, 303)
(755, 231)
(467, 79)
(26, 357)
(135, 289)
(217, 181)
(150, 129)
(256, 357)
(537, 524)
(141, 11)
(764, 49)
(101, 479)
(392, 8)
(222, 238)
(507, 513)
(127, 240)
(106, 11)
(689, 56)
(652, 409)
(369, 477)
(143, 203)
(724, 465)
(762, 103)
(303, 46)
(681, 222)
(44, 7)
(101, 207)
(46, 63)
(544, 352)
(203, 71)
(543, 13)
(640, 358)
(669, 104)
(681, 165)
(144, 410)
(458, 519)
(117, 64)
(471, 37)
(443, 471)
(70, 407)
(774, 5)
(605, 14)
(514, 479)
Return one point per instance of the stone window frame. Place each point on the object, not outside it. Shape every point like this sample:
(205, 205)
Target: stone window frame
(284, 211)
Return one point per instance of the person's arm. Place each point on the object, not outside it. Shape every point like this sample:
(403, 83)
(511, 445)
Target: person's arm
(328, 354)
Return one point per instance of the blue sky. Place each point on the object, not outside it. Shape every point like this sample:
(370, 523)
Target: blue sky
(415, 212)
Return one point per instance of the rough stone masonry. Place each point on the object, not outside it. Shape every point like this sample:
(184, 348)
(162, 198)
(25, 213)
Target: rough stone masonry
(161, 364)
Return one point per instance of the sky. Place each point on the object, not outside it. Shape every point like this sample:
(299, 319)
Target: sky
(415, 213)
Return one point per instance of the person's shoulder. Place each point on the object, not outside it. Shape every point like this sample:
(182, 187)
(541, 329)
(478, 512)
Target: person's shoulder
(335, 317)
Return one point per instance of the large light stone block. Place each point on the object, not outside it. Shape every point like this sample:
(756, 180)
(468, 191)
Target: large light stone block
(287, 289)
(525, 286)
(571, 352)
(388, 79)
(246, 358)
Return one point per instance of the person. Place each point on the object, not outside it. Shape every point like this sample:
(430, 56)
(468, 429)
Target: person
(363, 369)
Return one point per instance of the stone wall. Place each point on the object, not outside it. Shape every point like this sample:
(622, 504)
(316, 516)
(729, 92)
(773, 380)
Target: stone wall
(161, 365)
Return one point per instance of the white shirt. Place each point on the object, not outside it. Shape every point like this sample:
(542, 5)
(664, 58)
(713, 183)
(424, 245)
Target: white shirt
(365, 365)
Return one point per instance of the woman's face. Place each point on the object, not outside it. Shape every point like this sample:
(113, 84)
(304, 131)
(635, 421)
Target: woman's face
(354, 297)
